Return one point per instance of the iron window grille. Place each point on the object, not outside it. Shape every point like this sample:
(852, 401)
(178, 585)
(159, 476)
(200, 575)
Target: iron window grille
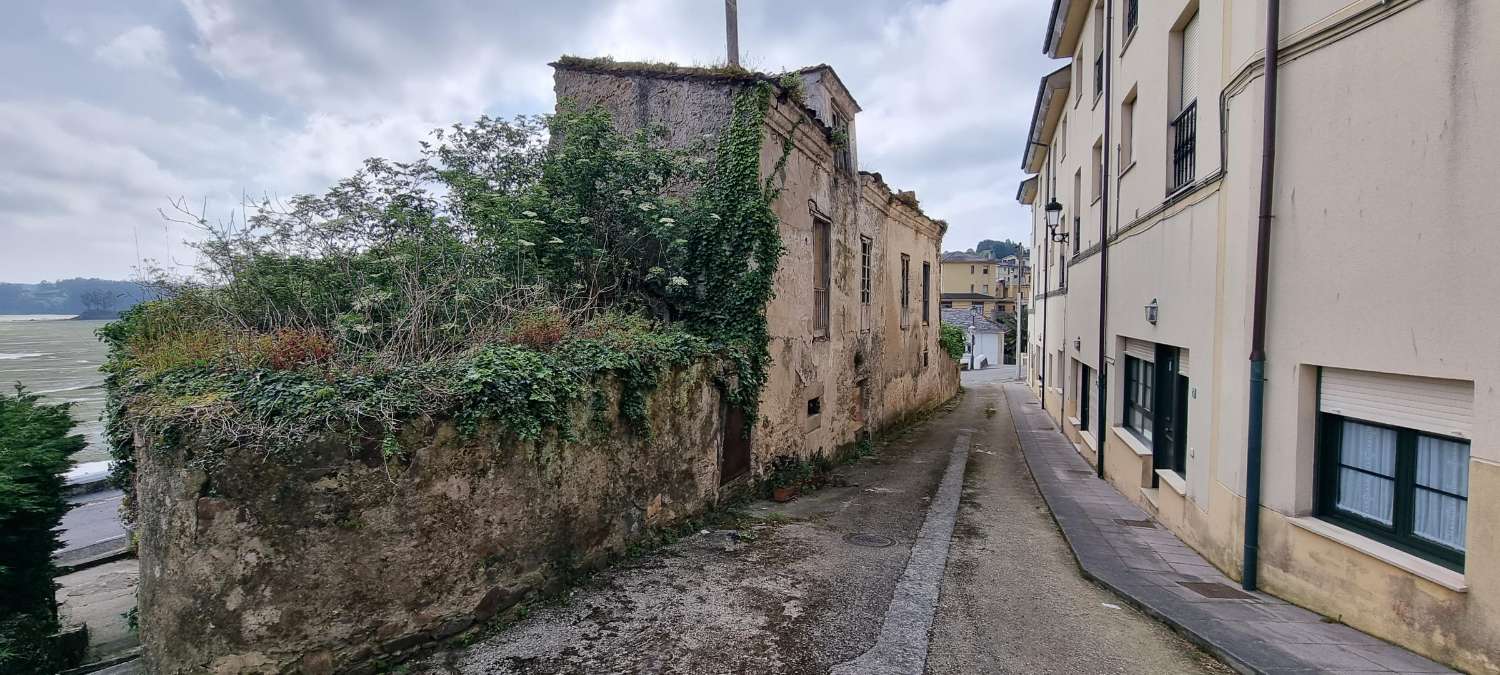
(1184, 146)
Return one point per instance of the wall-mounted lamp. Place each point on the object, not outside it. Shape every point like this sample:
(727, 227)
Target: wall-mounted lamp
(1077, 344)
(1054, 219)
(1151, 312)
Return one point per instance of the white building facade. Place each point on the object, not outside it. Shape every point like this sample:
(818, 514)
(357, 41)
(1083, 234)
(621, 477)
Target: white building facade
(1379, 497)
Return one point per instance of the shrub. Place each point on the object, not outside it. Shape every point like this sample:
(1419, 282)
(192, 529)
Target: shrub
(35, 447)
(495, 280)
(952, 340)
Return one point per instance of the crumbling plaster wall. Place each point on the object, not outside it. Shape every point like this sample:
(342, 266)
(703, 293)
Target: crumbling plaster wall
(867, 373)
(325, 560)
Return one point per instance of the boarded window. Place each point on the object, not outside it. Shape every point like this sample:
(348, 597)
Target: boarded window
(865, 247)
(822, 265)
(905, 290)
(926, 292)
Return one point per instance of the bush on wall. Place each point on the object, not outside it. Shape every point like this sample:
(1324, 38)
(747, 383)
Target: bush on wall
(492, 280)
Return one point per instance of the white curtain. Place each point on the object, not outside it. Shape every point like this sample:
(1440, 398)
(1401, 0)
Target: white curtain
(1374, 450)
(1441, 465)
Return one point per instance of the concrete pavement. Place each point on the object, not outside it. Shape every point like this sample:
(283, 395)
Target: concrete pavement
(99, 597)
(896, 571)
(1119, 545)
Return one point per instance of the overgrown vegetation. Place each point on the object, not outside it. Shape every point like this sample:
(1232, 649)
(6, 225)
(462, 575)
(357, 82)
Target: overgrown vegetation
(952, 339)
(36, 443)
(496, 280)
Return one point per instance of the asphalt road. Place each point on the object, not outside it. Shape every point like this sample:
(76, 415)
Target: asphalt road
(860, 578)
(92, 526)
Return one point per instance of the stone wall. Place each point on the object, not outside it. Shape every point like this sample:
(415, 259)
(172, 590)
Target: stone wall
(870, 369)
(326, 560)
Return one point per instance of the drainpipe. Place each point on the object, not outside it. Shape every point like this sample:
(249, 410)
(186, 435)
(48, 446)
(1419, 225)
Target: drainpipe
(1258, 327)
(1041, 365)
(1100, 435)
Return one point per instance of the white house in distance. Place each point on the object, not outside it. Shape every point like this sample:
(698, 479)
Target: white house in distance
(984, 342)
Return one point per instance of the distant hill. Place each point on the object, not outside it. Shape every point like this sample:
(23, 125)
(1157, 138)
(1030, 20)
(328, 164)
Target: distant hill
(1000, 248)
(99, 297)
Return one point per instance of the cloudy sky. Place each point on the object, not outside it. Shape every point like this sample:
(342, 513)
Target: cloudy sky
(109, 109)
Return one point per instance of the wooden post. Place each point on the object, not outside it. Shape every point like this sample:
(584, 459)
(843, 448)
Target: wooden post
(732, 30)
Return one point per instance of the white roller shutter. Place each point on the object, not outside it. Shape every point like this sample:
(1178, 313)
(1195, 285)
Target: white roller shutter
(1182, 362)
(1145, 351)
(1189, 62)
(1436, 406)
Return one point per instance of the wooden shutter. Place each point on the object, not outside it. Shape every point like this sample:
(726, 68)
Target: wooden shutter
(1444, 407)
(1145, 351)
(1189, 61)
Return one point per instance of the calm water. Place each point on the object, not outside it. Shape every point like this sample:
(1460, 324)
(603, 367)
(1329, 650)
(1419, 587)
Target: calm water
(59, 359)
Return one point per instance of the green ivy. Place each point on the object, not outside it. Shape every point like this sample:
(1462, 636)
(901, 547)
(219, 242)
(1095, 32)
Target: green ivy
(952, 340)
(738, 249)
(460, 302)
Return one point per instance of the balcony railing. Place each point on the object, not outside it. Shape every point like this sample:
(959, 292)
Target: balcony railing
(1184, 146)
(1099, 74)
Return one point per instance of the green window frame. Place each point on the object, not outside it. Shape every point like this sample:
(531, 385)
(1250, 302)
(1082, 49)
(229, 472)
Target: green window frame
(1140, 394)
(1353, 480)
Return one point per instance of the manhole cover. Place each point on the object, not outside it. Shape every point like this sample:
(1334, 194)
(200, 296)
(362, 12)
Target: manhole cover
(1218, 591)
(1136, 523)
(868, 540)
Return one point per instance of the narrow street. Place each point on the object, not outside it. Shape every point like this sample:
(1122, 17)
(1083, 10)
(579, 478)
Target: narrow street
(863, 578)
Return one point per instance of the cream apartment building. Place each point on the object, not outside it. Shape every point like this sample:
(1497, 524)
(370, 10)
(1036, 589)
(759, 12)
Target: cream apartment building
(969, 282)
(1379, 431)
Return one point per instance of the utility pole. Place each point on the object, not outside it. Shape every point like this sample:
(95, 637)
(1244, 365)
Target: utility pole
(732, 30)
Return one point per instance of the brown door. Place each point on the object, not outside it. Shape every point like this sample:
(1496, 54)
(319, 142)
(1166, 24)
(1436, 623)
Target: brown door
(735, 459)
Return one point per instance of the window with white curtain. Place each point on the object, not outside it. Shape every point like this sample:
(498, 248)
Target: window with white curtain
(1401, 478)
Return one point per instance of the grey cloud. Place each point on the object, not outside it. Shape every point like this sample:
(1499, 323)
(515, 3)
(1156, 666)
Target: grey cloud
(108, 109)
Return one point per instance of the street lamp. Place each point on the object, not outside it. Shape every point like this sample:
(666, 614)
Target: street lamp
(1054, 219)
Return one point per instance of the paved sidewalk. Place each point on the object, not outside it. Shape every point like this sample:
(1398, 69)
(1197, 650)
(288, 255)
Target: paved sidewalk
(1118, 545)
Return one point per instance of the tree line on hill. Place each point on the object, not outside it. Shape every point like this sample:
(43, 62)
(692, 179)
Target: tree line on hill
(1000, 248)
(89, 297)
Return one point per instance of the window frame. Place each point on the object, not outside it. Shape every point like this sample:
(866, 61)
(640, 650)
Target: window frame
(822, 236)
(1400, 533)
(926, 292)
(905, 291)
(866, 269)
(1132, 378)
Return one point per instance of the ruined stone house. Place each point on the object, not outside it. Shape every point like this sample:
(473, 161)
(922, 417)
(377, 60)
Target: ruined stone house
(854, 324)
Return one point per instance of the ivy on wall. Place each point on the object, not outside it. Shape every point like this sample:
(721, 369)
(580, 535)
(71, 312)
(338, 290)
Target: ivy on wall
(497, 281)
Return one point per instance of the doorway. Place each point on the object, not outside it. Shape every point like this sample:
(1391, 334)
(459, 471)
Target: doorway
(734, 459)
(1169, 429)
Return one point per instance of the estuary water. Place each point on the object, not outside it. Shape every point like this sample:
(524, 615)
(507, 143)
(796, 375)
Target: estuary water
(58, 358)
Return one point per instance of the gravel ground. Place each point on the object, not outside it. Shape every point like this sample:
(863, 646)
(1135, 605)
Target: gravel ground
(789, 593)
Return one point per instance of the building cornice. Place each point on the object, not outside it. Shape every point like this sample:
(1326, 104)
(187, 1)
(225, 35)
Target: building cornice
(1051, 97)
(1026, 192)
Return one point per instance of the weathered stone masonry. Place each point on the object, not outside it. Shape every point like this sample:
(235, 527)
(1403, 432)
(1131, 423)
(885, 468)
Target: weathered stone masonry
(331, 558)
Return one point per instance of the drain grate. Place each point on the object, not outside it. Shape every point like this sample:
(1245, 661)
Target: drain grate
(868, 540)
(1215, 590)
(1136, 523)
